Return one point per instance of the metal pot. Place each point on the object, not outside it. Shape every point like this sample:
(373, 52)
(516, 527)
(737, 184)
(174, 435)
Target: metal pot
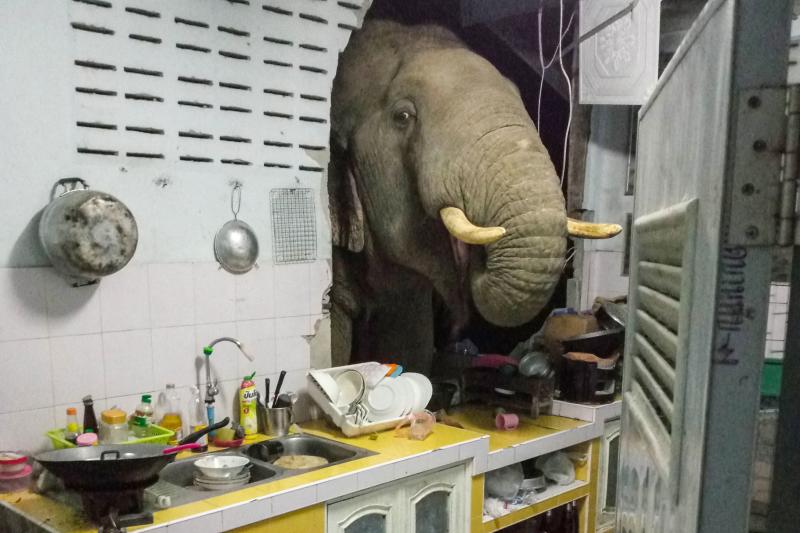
(87, 234)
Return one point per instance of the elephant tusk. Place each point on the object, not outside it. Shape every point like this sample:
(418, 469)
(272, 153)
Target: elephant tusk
(462, 229)
(590, 230)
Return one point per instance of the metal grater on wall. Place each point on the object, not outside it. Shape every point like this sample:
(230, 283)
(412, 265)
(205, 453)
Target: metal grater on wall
(294, 225)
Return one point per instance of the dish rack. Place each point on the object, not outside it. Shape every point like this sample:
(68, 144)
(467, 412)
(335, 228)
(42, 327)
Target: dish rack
(155, 435)
(347, 423)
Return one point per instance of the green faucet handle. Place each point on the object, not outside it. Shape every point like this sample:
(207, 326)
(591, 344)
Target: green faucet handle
(208, 350)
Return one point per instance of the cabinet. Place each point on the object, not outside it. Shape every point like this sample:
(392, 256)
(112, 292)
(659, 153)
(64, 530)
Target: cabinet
(434, 502)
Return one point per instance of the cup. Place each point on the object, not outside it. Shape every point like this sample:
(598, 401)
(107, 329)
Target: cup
(279, 419)
(506, 421)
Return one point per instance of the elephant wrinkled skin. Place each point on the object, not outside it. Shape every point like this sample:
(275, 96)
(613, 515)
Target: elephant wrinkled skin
(419, 124)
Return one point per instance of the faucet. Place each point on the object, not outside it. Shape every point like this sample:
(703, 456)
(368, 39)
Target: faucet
(211, 386)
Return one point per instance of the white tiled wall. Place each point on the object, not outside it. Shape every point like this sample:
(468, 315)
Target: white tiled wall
(141, 328)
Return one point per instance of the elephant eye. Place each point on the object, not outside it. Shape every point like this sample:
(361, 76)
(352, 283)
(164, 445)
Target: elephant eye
(402, 117)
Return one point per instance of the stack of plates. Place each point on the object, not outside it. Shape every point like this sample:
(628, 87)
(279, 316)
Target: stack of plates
(209, 483)
(396, 397)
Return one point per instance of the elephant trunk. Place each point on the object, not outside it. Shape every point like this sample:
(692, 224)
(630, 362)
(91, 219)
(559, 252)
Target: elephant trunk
(516, 189)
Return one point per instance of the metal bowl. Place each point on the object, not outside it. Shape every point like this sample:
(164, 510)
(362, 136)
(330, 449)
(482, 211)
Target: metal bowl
(236, 247)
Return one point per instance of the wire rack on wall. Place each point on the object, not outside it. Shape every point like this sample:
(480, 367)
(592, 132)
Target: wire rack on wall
(294, 226)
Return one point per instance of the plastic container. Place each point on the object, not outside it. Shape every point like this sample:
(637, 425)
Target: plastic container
(89, 418)
(139, 427)
(18, 481)
(248, 407)
(113, 426)
(72, 429)
(87, 439)
(12, 463)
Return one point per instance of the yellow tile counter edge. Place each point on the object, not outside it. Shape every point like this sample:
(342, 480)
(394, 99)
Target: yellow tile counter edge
(395, 458)
(487, 448)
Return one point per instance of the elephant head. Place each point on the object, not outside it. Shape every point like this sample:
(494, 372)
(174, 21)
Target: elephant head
(439, 169)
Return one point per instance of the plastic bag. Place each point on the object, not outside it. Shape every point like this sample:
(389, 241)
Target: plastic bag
(421, 425)
(557, 467)
(504, 483)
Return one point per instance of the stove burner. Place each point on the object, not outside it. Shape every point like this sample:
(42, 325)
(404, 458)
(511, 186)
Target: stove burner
(113, 509)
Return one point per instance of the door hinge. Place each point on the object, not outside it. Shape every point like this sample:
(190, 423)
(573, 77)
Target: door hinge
(787, 231)
(757, 145)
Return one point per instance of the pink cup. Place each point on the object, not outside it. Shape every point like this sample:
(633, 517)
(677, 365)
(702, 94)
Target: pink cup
(506, 421)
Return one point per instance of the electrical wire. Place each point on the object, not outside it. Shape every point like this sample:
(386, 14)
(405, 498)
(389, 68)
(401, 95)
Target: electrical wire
(569, 93)
(544, 66)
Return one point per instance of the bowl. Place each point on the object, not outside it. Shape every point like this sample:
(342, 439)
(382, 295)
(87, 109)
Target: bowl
(12, 463)
(221, 466)
(327, 384)
(351, 387)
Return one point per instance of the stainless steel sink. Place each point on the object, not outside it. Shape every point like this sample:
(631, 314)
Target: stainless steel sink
(176, 480)
(181, 473)
(304, 444)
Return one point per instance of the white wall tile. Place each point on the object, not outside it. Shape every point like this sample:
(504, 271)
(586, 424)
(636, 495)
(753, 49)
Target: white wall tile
(124, 299)
(214, 294)
(128, 359)
(258, 337)
(25, 430)
(176, 358)
(319, 280)
(171, 294)
(78, 368)
(23, 304)
(71, 310)
(294, 353)
(295, 499)
(225, 359)
(26, 380)
(246, 513)
(292, 290)
(293, 326)
(255, 297)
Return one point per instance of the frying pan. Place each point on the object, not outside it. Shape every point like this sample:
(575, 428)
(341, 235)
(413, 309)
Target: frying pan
(113, 467)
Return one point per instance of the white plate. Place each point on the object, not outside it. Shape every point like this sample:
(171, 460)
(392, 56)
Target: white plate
(422, 387)
(327, 384)
(392, 398)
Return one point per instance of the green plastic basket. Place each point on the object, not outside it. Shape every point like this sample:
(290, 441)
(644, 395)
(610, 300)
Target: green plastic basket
(155, 435)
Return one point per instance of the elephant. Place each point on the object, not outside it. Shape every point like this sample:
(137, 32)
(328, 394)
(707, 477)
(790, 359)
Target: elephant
(440, 189)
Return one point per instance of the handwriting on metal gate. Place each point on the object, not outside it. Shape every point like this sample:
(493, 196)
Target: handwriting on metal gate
(731, 309)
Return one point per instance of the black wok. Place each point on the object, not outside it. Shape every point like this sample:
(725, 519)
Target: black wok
(116, 467)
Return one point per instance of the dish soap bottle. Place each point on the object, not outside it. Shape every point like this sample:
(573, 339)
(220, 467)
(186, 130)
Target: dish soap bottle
(248, 407)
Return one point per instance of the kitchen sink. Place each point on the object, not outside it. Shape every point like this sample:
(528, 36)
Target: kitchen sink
(181, 473)
(176, 481)
(304, 444)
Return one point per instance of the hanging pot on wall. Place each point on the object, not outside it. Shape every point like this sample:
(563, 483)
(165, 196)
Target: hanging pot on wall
(87, 234)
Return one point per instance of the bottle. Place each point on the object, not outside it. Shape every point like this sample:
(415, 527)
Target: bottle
(172, 419)
(248, 407)
(71, 431)
(197, 418)
(144, 410)
(140, 427)
(89, 419)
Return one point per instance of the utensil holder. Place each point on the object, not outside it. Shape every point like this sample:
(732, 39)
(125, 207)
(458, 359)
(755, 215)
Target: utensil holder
(278, 421)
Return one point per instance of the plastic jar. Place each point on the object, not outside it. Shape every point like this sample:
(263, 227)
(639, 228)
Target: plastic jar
(113, 426)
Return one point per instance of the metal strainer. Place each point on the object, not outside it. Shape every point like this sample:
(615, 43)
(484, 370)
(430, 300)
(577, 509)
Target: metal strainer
(236, 245)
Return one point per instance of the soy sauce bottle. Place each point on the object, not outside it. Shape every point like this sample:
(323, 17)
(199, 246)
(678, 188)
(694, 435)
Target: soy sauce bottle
(89, 419)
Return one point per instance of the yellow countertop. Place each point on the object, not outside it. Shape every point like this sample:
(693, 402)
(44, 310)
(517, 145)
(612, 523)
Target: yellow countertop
(480, 419)
(42, 509)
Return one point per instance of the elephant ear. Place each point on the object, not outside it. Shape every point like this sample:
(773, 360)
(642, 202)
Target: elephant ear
(347, 215)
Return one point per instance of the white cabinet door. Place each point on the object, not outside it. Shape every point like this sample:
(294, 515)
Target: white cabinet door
(373, 512)
(427, 503)
(436, 503)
